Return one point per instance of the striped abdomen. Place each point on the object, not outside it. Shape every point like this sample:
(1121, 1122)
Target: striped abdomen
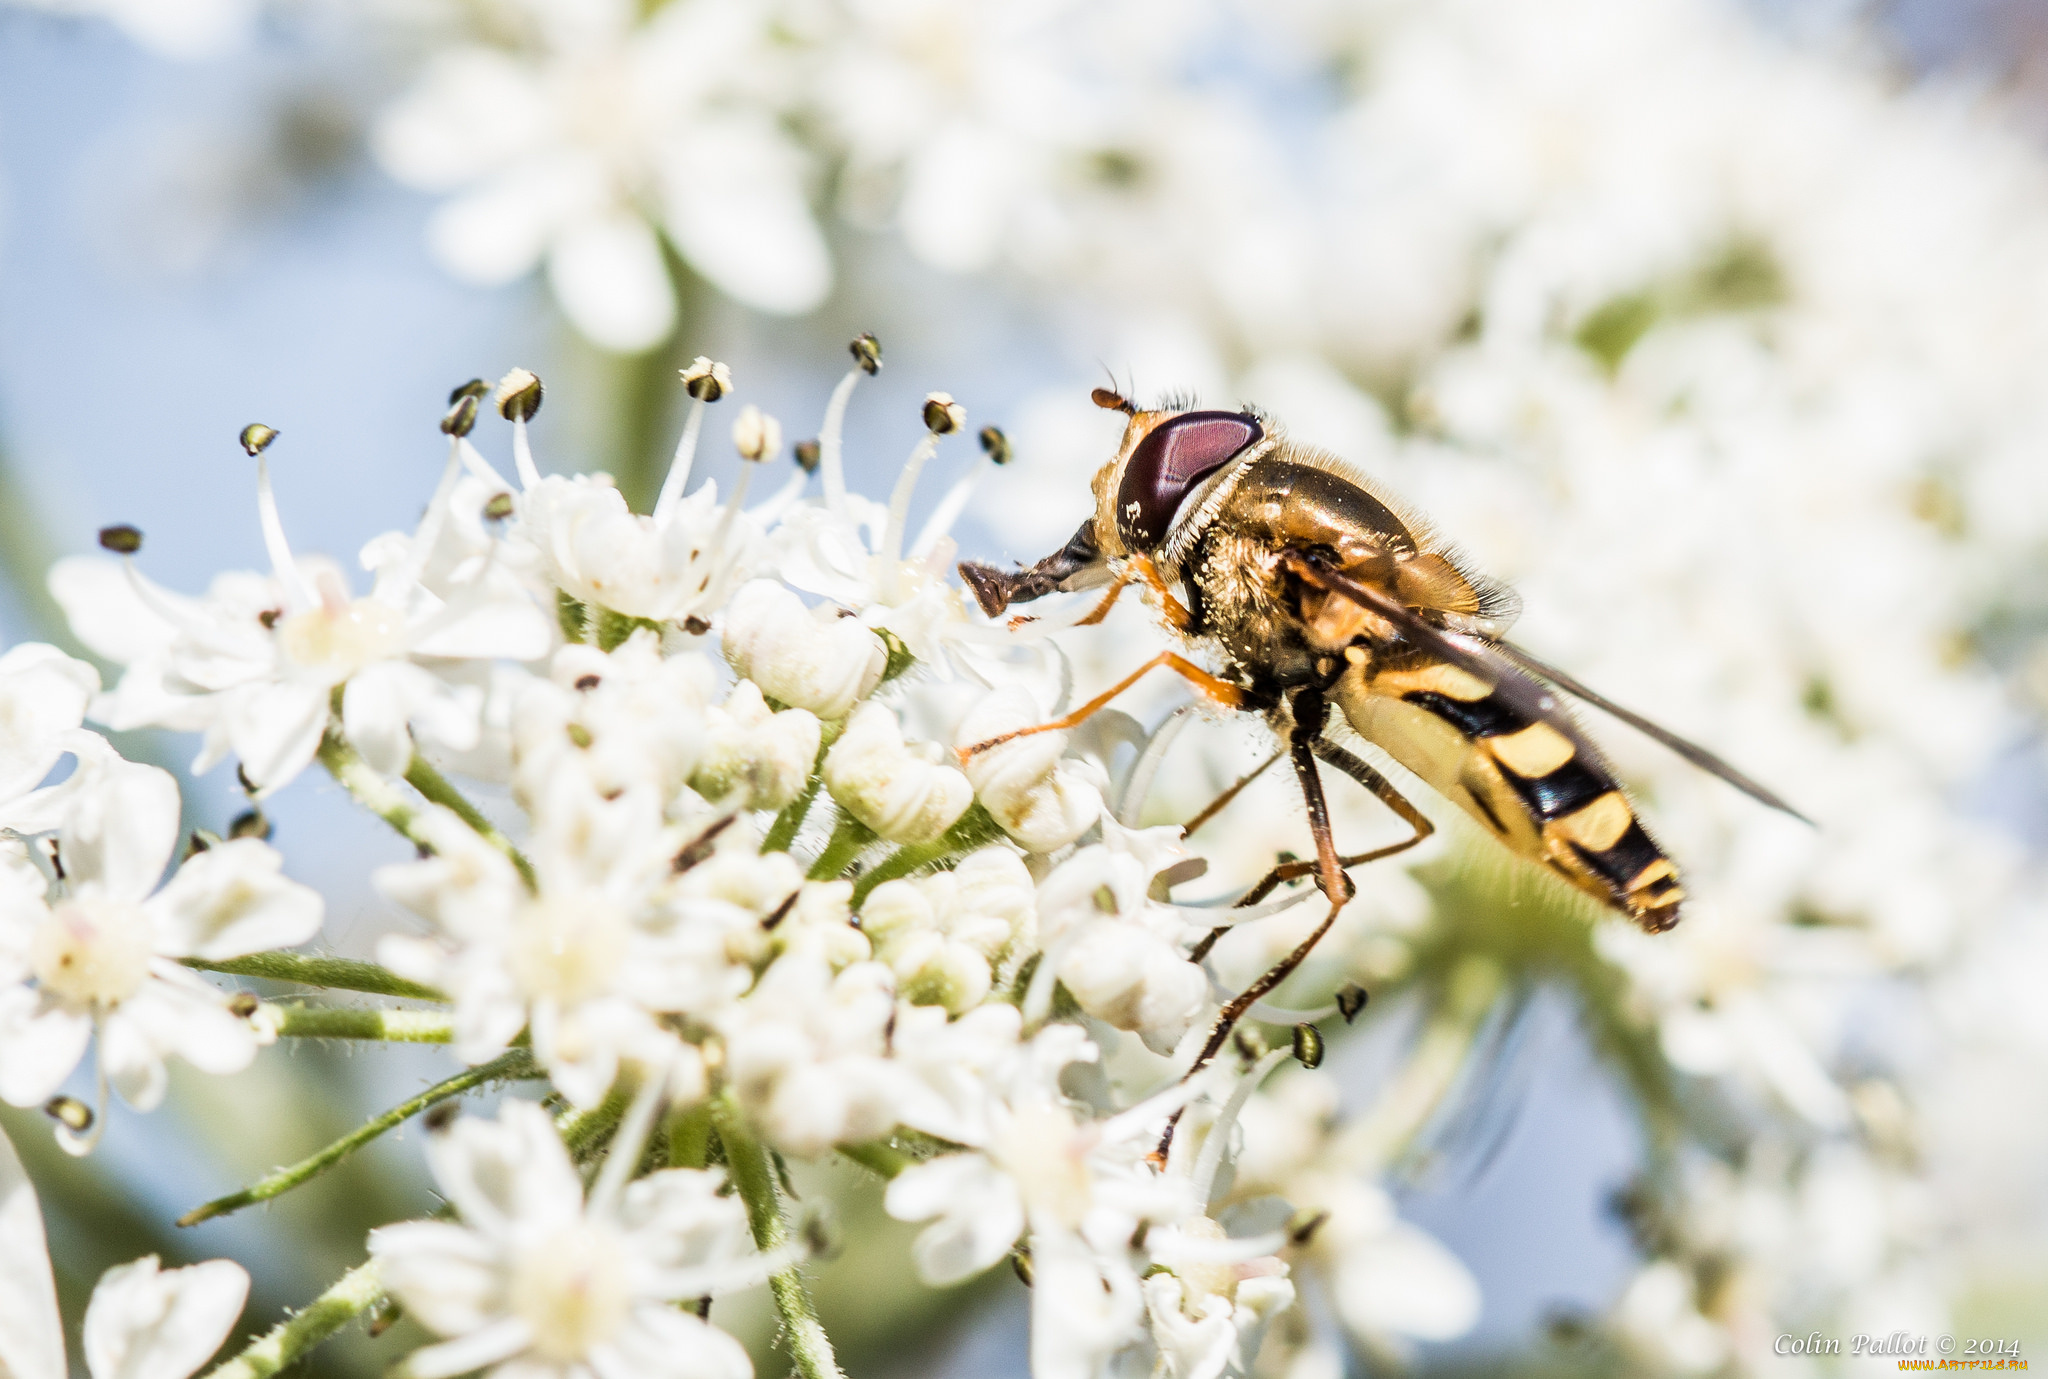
(1507, 755)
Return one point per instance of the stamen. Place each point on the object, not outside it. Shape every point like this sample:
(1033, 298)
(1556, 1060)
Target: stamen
(1132, 802)
(429, 534)
(1210, 1160)
(473, 460)
(522, 457)
(623, 1159)
(298, 594)
(69, 1140)
(679, 468)
(783, 499)
(830, 444)
(899, 513)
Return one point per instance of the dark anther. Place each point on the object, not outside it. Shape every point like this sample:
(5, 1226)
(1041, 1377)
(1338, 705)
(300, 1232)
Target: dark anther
(781, 912)
(588, 682)
(696, 626)
(519, 394)
(202, 840)
(995, 444)
(461, 418)
(243, 1004)
(1308, 1045)
(806, 454)
(121, 540)
(867, 353)
(1250, 1044)
(1020, 1260)
(69, 1112)
(250, 823)
(440, 1116)
(256, 438)
(1303, 1225)
(269, 616)
(384, 1315)
(249, 787)
(699, 848)
(580, 735)
(56, 858)
(498, 507)
(1351, 999)
(476, 387)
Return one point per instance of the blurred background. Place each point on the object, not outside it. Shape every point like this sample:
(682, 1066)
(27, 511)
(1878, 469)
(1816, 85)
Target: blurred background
(1719, 329)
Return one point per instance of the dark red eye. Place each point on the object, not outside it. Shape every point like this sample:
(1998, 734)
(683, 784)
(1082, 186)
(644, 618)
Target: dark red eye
(1172, 459)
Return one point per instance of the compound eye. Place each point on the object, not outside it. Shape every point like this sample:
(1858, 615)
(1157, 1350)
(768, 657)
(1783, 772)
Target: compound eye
(1174, 457)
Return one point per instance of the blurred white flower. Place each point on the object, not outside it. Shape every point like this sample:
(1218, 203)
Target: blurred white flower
(601, 139)
(142, 1319)
(534, 1279)
(97, 950)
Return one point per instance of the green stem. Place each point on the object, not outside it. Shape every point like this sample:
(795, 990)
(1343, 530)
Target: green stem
(689, 1137)
(422, 776)
(883, 1159)
(344, 1022)
(585, 1134)
(783, 831)
(753, 1177)
(353, 1294)
(372, 789)
(514, 1063)
(974, 829)
(338, 974)
(849, 836)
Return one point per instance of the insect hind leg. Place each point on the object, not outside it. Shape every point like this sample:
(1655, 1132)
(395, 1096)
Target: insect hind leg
(1221, 691)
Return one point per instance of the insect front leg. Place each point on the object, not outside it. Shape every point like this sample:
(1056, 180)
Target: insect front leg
(1222, 691)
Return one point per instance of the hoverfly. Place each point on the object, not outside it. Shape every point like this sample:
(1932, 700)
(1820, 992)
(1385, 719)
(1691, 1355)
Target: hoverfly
(1320, 593)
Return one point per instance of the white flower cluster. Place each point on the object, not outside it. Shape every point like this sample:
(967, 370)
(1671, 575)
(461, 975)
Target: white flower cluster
(751, 897)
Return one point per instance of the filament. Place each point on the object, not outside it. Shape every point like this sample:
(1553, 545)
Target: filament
(830, 444)
(1211, 1158)
(298, 594)
(679, 468)
(522, 456)
(899, 511)
(949, 509)
(429, 534)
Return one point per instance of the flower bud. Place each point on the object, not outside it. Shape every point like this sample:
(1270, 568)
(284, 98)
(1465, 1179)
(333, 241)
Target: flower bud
(751, 747)
(706, 379)
(867, 354)
(1038, 798)
(756, 434)
(942, 415)
(903, 796)
(826, 665)
(121, 540)
(256, 438)
(461, 418)
(519, 395)
(995, 444)
(807, 454)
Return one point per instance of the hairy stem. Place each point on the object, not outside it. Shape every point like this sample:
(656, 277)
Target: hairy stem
(849, 836)
(342, 1022)
(753, 1177)
(372, 789)
(975, 829)
(422, 776)
(336, 974)
(514, 1063)
(354, 1293)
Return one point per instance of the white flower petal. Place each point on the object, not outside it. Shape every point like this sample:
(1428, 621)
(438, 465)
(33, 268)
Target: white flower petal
(608, 275)
(230, 900)
(146, 1324)
(38, 1048)
(31, 1332)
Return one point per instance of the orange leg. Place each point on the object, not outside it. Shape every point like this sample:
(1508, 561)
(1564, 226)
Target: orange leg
(1101, 610)
(1177, 615)
(1222, 691)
